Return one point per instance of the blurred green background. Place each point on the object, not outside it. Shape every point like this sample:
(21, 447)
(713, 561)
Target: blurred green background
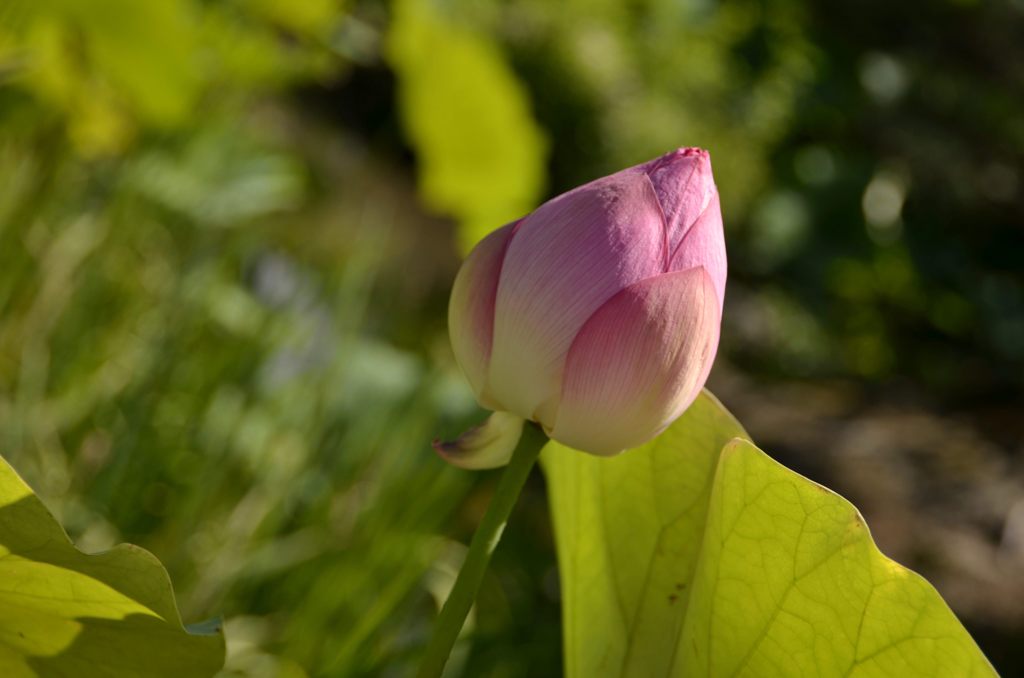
(228, 229)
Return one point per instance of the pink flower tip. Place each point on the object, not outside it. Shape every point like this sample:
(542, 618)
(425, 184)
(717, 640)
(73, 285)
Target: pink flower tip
(598, 314)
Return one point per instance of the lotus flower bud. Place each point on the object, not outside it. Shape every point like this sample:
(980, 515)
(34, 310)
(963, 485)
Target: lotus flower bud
(598, 314)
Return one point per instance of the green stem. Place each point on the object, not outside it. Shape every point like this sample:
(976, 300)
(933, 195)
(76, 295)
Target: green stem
(467, 584)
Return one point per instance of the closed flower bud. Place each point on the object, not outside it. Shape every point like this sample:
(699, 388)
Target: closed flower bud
(598, 314)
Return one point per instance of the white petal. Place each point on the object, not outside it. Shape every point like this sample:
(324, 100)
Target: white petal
(487, 445)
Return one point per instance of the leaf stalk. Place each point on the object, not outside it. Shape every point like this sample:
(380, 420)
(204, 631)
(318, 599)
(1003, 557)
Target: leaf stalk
(453, 614)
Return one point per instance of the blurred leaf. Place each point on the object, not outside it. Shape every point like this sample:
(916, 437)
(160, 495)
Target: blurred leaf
(308, 17)
(220, 179)
(685, 558)
(481, 154)
(113, 68)
(63, 612)
(147, 50)
(143, 50)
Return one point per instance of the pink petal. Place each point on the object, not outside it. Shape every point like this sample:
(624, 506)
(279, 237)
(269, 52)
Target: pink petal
(568, 257)
(638, 363)
(684, 185)
(704, 245)
(471, 309)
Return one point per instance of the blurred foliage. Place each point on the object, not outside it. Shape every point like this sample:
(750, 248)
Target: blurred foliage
(222, 305)
(481, 155)
(901, 180)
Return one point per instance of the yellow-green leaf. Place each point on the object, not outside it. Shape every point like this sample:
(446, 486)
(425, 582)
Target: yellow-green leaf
(65, 613)
(698, 555)
(481, 154)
